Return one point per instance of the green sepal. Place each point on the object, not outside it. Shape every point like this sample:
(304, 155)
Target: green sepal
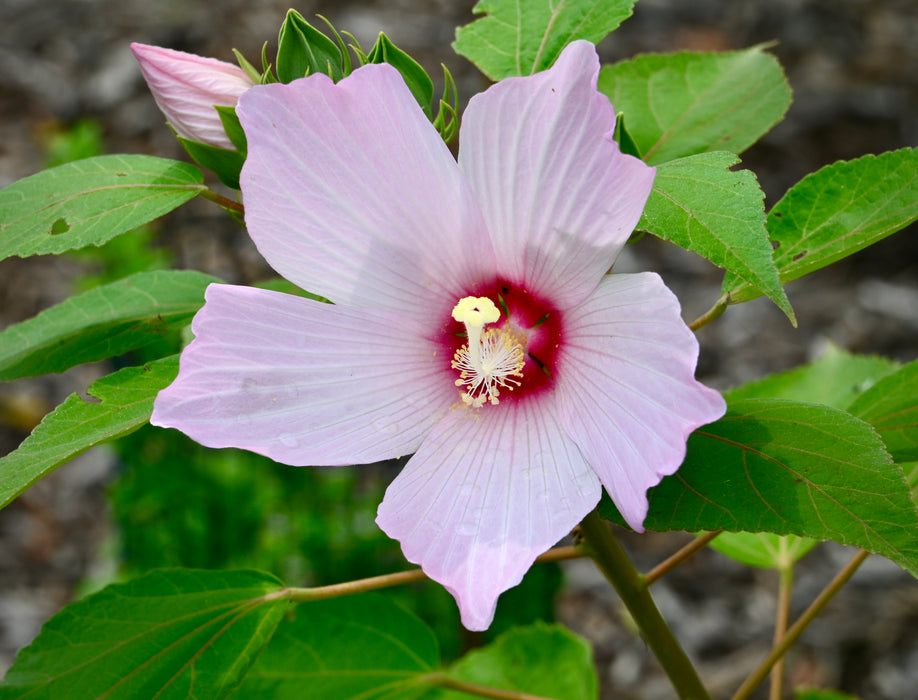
(415, 77)
(233, 128)
(624, 139)
(247, 68)
(224, 163)
(303, 50)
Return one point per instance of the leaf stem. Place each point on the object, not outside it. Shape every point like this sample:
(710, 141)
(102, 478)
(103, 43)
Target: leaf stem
(711, 314)
(618, 568)
(667, 565)
(224, 202)
(441, 679)
(835, 585)
(782, 615)
(335, 590)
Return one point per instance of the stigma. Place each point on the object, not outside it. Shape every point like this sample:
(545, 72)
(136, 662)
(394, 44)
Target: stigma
(492, 359)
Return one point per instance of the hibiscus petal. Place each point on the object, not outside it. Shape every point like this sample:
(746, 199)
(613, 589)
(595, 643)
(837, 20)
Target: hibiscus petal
(350, 193)
(488, 491)
(626, 388)
(559, 198)
(305, 383)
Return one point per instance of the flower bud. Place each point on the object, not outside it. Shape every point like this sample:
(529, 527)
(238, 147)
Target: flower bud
(187, 87)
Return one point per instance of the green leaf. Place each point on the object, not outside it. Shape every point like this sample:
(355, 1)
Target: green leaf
(542, 659)
(772, 465)
(169, 634)
(911, 473)
(763, 549)
(685, 103)
(821, 694)
(523, 38)
(90, 201)
(891, 406)
(415, 77)
(837, 211)
(835, 379)
(106, 321)
(362, 646)
(125, 404)
(623, 137)
(303, 50)
(702, 206)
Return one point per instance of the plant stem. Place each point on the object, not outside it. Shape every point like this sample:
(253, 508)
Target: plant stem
(835, 585)
(711, 314)
(484, 691)
(667, 565)
(224, 202)
(782, 615)
(303, 595)
(632, 588)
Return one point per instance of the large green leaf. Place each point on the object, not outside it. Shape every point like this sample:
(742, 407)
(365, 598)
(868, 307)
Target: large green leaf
(545, 660)
(364, 647)
(521, 38)
(791, 468)
(763, 549)
(701, 205)
(125, 403)
(835, 379)
(90, 201)
(685, 103)
(106, 321)
(891, 406)
(837, 211)
(170, 634)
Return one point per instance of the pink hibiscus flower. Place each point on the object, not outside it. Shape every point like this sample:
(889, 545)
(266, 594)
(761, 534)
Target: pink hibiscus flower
(474, 324)
(186, 87)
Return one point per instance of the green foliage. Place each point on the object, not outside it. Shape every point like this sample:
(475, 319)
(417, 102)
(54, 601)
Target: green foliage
(125, 403)
(104, 322)
(763, 549)
(546, 660)
(790, 468)
(701, 205)
(416, 78)
(171, 634)
(835, 379)
(891, 406)
(347, 648)
(90, 201)
(233, 127)
(303, 50)
(223, 162)
(517, 38)
(820, 694)
(81, 140)
(836, 211)
(686, 103)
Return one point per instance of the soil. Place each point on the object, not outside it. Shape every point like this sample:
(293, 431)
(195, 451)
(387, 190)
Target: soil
(852, 66)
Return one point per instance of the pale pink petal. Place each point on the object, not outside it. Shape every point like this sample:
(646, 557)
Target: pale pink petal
(186, 88)
(626, 388)
(350, 193)
(305, 383)
(489, 490)
(559, 198)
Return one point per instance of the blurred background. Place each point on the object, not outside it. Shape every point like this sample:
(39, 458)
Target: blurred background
(70, 88)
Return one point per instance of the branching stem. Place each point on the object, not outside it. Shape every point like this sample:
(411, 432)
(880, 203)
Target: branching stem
(711, 314)
(224, 202)
(835, 585)
(782, 615)
(635, 594)
(667, 565)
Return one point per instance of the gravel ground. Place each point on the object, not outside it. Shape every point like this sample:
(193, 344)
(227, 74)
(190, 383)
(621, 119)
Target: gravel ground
(852, 66)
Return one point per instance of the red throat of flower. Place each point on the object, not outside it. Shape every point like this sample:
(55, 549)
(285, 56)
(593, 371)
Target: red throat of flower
(504, 344)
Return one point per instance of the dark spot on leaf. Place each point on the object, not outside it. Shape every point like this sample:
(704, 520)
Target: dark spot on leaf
(775, 245)
(59, 226)
(777, 214)
(120, 174)
(800, 256)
